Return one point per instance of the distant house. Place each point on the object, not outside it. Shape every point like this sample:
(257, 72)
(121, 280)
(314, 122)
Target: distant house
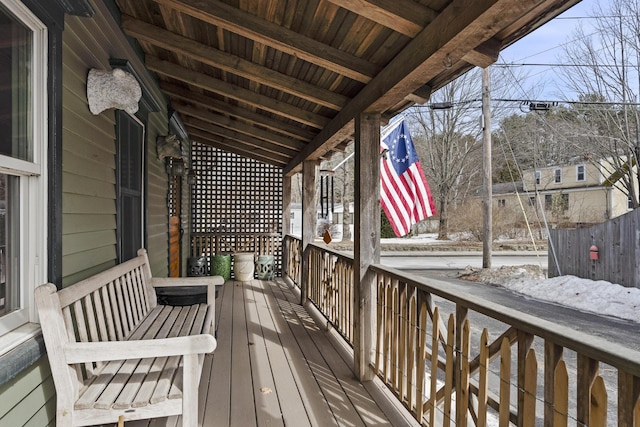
(571, 194)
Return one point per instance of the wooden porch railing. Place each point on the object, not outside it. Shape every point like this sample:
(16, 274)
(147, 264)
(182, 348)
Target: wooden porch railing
(447, 375)
(292, 255)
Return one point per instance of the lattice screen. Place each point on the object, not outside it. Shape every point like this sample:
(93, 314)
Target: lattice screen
(237, 196)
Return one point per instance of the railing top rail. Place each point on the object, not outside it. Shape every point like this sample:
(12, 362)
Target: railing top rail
(595, 347)
(339, 254)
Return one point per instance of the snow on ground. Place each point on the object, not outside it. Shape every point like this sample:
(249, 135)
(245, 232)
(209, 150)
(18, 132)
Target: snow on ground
(595, 296)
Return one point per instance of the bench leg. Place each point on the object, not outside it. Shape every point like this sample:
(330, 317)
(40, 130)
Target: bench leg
(190, 391)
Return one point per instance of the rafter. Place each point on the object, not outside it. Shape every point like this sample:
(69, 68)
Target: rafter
(251, 131)
(404, 16)
(232, 147)
(235, 92)
(233, 64)
(485, 54)
(209, 103)
(262, 31)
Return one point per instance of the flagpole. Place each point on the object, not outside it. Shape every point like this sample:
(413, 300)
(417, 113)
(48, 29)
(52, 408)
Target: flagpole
(487, 202)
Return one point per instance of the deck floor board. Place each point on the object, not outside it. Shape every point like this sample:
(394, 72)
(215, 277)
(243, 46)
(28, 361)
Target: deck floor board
(275, 367)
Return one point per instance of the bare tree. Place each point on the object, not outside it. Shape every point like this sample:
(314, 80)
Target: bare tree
(448, 139)
(606, 77)
(445, 140)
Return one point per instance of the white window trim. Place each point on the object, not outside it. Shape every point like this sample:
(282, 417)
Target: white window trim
(584, 173)
(33, 186)
(554, 176)
(537, 177)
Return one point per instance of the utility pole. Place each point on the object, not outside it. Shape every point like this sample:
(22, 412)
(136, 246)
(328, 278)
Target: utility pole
(487, 200)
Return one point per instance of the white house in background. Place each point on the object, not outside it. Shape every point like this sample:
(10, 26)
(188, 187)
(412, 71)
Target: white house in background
(335, 217)
(577, 193)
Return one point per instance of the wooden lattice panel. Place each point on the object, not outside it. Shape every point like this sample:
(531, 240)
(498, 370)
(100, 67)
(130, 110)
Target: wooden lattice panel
(236, 203)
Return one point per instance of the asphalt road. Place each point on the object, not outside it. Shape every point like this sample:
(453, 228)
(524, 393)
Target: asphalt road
(448, 260)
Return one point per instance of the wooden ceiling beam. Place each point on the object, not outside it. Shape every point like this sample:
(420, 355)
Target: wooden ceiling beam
(232, 147)
(181, 45)
(485, 54)
(226, 122)
(453, 33)
(240, 94)
(278, 37)
(240, 138)
(285, 128)
(403, 16)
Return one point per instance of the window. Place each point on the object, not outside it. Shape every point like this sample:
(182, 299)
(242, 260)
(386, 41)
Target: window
(501, 203)
(538, 177)
(557, 176)
(532, 201)
(23, 192)
(629, 203)
(548, 202)
(580, 175)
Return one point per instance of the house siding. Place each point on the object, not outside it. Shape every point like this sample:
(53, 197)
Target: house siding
(89, 162)
(88, 158)
(29, 398)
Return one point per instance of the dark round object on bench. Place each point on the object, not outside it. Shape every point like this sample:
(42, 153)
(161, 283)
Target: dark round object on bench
(182, 295)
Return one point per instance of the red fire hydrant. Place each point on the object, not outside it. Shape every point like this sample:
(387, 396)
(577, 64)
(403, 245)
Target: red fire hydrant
(593, 253)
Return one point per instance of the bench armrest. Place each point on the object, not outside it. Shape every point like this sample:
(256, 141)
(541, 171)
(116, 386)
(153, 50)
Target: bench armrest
(84, 352)
(209, 281)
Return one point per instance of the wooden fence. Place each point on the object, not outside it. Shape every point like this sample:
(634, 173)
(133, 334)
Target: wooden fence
(446, 374)
(618, 243)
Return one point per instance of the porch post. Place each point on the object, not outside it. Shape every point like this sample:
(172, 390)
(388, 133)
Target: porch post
(366, 239)
(309, 219)
(286, 221)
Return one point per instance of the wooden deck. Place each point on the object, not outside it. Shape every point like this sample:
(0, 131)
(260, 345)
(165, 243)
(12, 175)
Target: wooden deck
(274, 366)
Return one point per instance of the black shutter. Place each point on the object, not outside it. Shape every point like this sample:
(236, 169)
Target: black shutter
(130, 173)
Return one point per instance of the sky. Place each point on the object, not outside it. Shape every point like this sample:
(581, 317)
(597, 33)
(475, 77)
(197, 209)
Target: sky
(544, 46)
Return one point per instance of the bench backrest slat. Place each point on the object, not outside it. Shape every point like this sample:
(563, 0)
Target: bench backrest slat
(100, 314)
(117, 318)
(125, 314)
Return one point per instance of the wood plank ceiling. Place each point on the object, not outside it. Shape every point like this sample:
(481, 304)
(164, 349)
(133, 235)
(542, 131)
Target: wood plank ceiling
(281, 81)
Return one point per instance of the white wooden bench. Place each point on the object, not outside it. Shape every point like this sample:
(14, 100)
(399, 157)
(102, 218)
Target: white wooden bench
(116, 354)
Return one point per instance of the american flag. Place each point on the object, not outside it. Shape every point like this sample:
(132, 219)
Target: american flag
(404, 193)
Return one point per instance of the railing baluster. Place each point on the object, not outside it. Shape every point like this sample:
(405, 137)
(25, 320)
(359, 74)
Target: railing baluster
(505, 383)
(524, 345)
(628, 399)
(530, 388)
(462, 396)
(561, 395)
(433, 398)
(449, 371)
(587, 372)
(483, 386)
(598, 412)
(552, 356)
